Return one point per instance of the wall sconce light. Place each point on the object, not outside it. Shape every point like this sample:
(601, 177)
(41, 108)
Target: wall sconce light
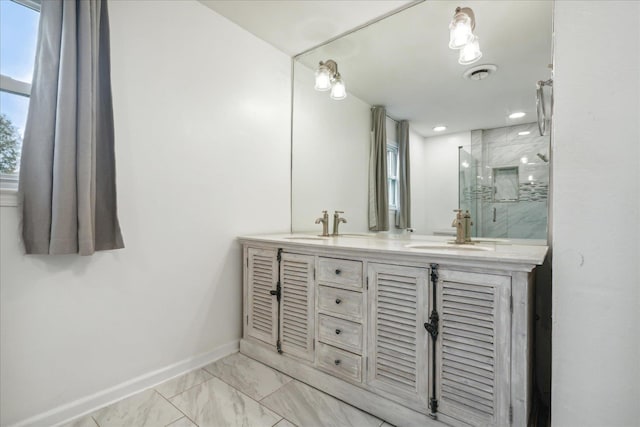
(328, 77)
(470, 52)
(461, 36)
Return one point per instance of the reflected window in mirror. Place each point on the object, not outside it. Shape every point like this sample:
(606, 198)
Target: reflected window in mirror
(392, 173)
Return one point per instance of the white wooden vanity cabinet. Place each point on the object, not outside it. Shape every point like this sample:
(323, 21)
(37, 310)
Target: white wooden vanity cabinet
(352, 319)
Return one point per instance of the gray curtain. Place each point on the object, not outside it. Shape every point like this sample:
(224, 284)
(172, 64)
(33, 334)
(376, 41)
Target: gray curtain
(403, 214)
(378, 186)
(67, 171)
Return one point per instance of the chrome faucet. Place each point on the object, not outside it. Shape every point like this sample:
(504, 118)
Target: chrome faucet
(336, 221)
(458, 223)
(325, 223)
(462, 223)
(467, 227)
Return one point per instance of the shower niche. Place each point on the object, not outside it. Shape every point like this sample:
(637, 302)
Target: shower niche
(504, 182)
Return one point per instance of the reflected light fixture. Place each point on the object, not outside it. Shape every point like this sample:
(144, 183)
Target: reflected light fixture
(461, 36)
(439, 128)
(470, 53)
(328, 77)
(524, 133)
(517, 115)
(461, 27)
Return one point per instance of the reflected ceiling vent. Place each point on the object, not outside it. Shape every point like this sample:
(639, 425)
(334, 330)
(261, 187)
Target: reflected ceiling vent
(480, 72)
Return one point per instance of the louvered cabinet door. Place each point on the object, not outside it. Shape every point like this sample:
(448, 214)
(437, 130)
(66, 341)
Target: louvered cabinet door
(262, 307)
(398, 304)
(473, 347)
(297, 310)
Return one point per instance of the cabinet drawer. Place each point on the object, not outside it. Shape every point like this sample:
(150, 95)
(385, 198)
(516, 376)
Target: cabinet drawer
(341, 302)
(339, 362)
(340, 271)
(341, 333)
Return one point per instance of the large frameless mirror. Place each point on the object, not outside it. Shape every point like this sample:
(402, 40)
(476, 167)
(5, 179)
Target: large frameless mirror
(487, 159)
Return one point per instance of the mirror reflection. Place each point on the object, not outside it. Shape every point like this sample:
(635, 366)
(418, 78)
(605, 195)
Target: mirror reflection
(467, 148)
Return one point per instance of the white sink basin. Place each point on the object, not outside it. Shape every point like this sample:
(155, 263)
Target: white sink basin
(305, 238)
(447, 247)
(356, 235)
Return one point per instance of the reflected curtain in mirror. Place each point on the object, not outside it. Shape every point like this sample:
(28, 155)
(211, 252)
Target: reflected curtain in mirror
(403, 214)
(378, 190)
(67, 172)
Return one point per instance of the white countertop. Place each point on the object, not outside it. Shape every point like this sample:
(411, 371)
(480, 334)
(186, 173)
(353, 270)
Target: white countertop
(483, 249)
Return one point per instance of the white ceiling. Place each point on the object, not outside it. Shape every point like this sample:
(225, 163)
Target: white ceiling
(403, 61)
(294, 26)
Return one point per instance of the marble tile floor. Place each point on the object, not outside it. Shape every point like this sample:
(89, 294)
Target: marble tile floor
(233, 391)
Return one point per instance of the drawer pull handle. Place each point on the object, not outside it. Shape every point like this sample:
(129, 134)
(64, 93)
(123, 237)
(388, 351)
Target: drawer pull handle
(338, 331)
(338, 300)
(338, 271)
(337, 362)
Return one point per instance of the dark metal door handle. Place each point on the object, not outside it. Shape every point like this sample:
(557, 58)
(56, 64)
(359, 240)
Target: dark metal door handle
(338, 331)
(338, 300)
(337, 362)
(338, 271)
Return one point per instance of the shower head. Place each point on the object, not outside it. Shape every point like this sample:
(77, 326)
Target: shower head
(543, 157)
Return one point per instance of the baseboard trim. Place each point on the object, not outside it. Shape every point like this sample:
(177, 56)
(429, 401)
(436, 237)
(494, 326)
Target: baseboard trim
(88, 404)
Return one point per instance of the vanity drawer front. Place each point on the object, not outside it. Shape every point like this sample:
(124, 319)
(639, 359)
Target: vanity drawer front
(341, 333)
(340, 302)
(340, 271)
(339, 362)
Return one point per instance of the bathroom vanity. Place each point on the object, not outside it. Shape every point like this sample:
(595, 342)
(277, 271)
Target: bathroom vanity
(415, 330)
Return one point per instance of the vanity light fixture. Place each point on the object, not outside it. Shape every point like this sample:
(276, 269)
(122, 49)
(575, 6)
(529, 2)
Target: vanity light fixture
(328, 77)
(461, 36)
(470, 52)
(517, 115)
(461, 27)
(439, 128)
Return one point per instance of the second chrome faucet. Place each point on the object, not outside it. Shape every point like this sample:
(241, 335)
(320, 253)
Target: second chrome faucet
(337, 219)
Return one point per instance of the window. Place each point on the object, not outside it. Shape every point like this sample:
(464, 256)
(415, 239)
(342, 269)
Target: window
(392, 173)
(18, 33)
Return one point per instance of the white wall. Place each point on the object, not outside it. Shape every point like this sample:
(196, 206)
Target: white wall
(202, 139)
(330, 156)
(596, 215)
(439, 192)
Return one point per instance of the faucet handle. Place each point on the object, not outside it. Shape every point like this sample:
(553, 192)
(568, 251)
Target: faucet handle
(338, 212)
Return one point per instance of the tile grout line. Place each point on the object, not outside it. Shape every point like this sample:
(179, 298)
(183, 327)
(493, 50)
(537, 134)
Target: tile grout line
(188, 388)
(178, 409)
(241, 392)
(278, 389)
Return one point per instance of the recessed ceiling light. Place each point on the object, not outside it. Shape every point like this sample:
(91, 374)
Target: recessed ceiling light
(439, 128)
(517, 115)
(523, 133)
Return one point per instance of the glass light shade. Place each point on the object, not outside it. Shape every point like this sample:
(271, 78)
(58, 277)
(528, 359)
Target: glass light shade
(338, 89)
(470, 53)
(323, 78)
(460, 32)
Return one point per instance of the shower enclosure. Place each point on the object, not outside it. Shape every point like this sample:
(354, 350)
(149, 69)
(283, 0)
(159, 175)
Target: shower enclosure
(504, 182)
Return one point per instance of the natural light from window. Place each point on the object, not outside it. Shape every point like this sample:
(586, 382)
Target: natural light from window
(18, 32)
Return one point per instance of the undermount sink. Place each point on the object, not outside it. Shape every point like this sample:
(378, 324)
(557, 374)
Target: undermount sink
(305, 238)
(446, 247)
(356, 235)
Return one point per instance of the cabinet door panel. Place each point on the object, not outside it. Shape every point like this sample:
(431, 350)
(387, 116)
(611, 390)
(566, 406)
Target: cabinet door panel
(262, 277)
(398, 346)
(297, 309)
(473, 347)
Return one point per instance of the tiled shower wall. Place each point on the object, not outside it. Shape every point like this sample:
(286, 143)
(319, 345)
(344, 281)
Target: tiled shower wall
(525, 217)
